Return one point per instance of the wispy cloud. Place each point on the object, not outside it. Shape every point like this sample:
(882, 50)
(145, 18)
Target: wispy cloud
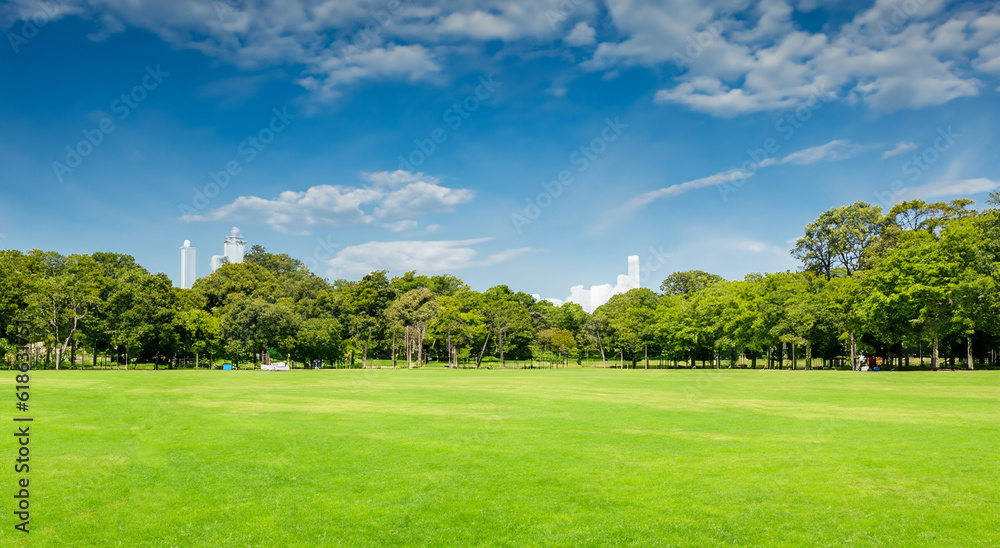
(938, 189)
(840, 149)
(422, 256)
(834, 150)
(900, 148)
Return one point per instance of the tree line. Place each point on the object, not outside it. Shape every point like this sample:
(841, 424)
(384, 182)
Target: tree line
(922, 279)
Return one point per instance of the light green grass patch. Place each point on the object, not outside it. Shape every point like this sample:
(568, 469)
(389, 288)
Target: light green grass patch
(564, 457)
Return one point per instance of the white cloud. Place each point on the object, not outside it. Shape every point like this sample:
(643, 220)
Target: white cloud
(581, 35)
(759, 61)
(423, 256)
(421, 197)
(900, 148)
(938, 189)
(396, 178)
(339, 205)
(402, 226)
(755, 59)
(727, 176)
(330, 74)
(834, 150)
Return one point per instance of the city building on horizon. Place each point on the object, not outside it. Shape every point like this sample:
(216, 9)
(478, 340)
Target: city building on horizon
(188, 262)
(233, 250)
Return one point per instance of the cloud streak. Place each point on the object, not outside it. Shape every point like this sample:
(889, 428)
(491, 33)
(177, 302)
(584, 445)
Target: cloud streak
(839, 149)
(938, 189)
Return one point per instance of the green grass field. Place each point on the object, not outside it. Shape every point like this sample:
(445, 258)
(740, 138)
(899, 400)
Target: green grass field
(568, 457)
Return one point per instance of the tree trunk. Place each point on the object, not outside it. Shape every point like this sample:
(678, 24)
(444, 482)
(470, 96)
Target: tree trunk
(934, 351)
(483, 351)
(409, 348)
(364, 356)
(854, 356)
(500, 343)
(645, 357)
(968, 351)
(420, 345)
(449, 348)
(393, 348)
(600, 345)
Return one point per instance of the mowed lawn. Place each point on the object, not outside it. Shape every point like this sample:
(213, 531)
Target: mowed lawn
(565, 457)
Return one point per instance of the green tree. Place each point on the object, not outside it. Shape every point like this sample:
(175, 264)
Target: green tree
(251, 326)
(414, 312)
(685, 283)
(198, 332)
(839, 238)
(630, 319)
(318, 339)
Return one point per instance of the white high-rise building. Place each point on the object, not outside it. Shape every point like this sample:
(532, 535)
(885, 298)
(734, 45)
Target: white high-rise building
(590, 299)
(233, 250)
(188, 275)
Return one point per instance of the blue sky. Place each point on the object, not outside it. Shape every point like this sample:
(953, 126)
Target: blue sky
(533, 143)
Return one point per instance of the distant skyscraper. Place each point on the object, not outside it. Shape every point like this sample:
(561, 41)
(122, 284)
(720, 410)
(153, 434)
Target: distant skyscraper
(233, 250)
(188, 274)
(590, 299)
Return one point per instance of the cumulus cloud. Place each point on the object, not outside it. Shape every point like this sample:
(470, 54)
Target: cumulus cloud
(733, 57)
(900, 148)
(335, 44)
(394, 200)
(938, 189)
(759, 60)
(423, 256)
(581, 35)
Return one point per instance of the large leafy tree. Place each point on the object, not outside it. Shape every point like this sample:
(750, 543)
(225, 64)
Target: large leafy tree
(414, 312)
(839, 239)
(630, 320)
(688, 282)
(253, 326)
(318, 339)
(507, 317)
(368, 301)
(916, 284)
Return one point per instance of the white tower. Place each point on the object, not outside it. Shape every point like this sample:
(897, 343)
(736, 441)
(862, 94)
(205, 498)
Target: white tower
(633, 271)
(235, 246)
(187, 265)
(233, 250)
